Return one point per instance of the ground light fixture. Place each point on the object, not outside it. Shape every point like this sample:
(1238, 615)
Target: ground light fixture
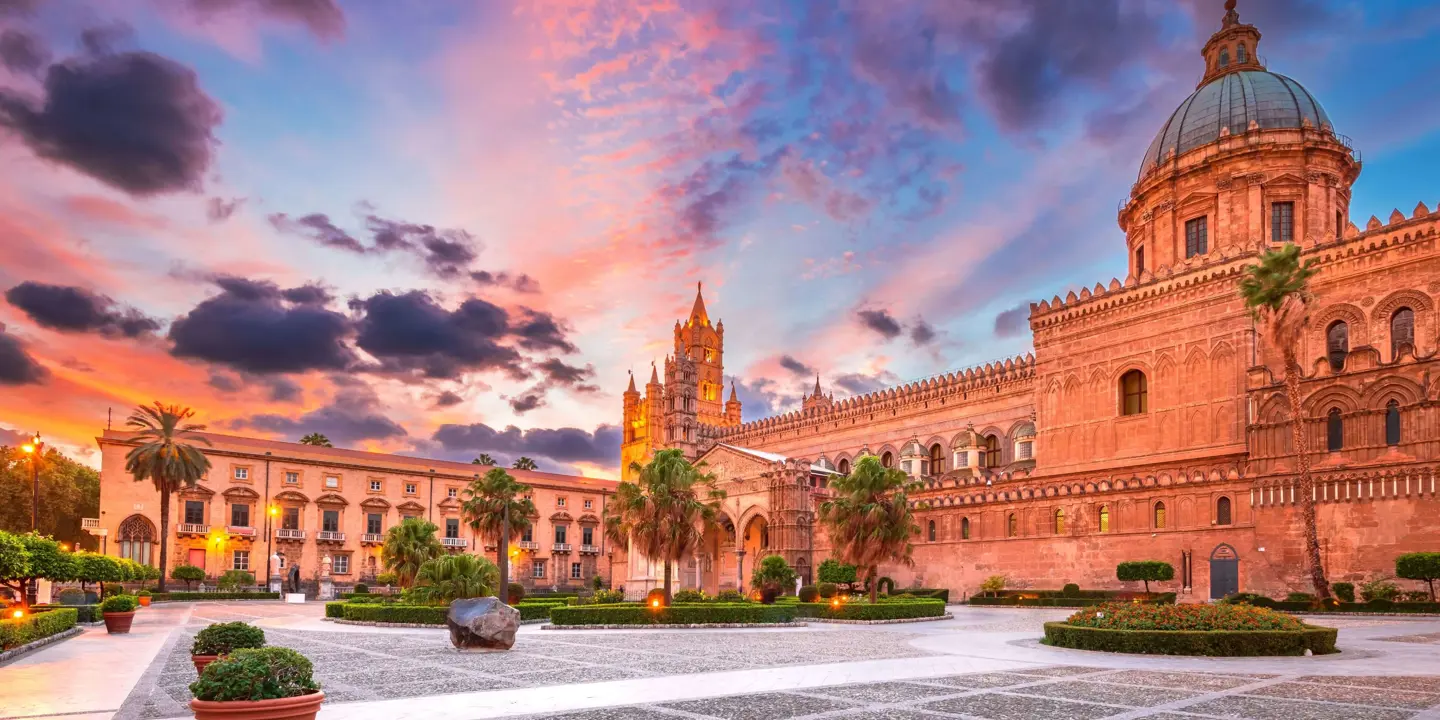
(18, 614)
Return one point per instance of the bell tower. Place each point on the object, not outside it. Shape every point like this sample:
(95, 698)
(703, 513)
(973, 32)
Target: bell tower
(703, 344)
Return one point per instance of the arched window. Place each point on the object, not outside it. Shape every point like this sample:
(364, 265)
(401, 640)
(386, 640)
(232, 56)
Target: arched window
(1104, 518)
(1392, 423)
(1011, 527)
(888, 459)
(843, 467)
(1240, 54)
(1134, 393)
(965, 528)
(931, 531)
(1334, 430)
(937, 459)
(1159, 516)
(1060, 521)
(137, 537)
(1402, 331)
(1337, 344)
(992, 451)
(1222, 511)
(1224, 57)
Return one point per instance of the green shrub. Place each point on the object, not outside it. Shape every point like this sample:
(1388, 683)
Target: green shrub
(515, 593)
(335, 609)
(1300, 597)
(386, 578)
(893, 610)
(72, 596)
(826, 590)
(83, 613)
(1414, 596)
(256, 674)
(1146, 571)
(189, 574)
(536, 611)
(224, 638)
(1379, 589)
(1422, 566)
(655, 597)
(143, 592)
(772, 575)
(1136, 616)
(361, 589)
(415, 614)
(993, 584)
(232, 580)
(1379, 605)
(111, 589)
(15, 632)
(1058, 601)
(731, 596)
(673, 615)
(808, 594)
(1214, 643)
(834, 572)
(607, 597)
(1245, 598)
(1071, 590)
(200, 596)
(689, 595)
(885, 585)
(118, 604)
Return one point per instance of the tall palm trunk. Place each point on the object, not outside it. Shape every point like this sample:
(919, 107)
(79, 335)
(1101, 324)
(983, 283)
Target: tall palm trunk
(503, 562)
(164, 533)
(874, 583)
(1307, 482)
(667, 582)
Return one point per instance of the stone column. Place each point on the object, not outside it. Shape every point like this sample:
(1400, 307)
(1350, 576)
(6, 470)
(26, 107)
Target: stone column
(327, 588)
(275, 572)
(740, 567)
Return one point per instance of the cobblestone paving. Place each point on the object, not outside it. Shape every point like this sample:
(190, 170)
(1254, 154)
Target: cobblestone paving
(1067, 693)
(359, 666)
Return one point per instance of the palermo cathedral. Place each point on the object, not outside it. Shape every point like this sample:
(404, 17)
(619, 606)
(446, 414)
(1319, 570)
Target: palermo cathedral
(1150, 421)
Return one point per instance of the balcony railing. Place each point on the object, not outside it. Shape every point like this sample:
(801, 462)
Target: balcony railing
(589, 549)
(528, 545)
(560, 547)
(240, 530)
(454, 542)
(89, 523)
(289, 534)
(372, 539)
(192, 529)
(329, 536)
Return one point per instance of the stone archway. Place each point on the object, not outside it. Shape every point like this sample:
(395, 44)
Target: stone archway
(1224, 571)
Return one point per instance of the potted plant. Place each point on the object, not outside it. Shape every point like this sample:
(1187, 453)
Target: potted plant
(119, 612)
(269, 683)
(220, 639)
(143, 597)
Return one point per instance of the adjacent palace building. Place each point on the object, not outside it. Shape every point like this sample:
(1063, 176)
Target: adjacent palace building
(1150, 421)
(302, 503)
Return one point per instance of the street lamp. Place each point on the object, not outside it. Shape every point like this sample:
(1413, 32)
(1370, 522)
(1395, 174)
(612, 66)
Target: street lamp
(34, 449)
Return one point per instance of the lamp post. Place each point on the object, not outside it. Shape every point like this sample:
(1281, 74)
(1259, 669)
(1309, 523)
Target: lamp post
(34, 449)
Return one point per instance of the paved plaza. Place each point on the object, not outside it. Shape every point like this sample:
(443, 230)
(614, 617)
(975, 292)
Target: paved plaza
(984, 663)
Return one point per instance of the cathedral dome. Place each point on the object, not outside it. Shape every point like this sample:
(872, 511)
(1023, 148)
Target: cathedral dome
(1232, 104)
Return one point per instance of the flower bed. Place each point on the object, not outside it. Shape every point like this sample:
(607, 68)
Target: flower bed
(15, 632)
(690, 614)
(890, 610)
(1212, 630)
(1311, 606)
(195, 596)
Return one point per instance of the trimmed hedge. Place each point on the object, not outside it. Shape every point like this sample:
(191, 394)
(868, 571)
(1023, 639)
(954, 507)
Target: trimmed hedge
(335, 609)
(15, 632)
(894, 610)
(193, 596)
(1057, 601)
(1212, 643)
(418, 614)
(536, 611)
(83, 613)
(697, 614)
(942, 594)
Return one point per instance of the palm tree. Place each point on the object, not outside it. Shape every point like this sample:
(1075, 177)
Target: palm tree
(483, 459)
(495, 506)
(665, 511)
(869, 519)
(166, 456)
(524, 463)
(408, 546)
(317, 439)
(1277, 293)
(452, 577)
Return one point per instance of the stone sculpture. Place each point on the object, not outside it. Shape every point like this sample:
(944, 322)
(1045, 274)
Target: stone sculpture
(482, 624)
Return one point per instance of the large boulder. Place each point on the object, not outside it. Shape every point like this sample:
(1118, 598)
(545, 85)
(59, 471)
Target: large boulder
(482, 624)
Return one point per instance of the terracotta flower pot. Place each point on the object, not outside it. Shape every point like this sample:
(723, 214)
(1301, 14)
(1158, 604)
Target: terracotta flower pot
(302, 707)
(201, 661)
(144, 600)
(118, 622)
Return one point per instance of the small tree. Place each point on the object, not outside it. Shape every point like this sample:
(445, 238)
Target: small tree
(42, 560)
(772, 575)
(1423, 566)
(837, 573)
(1145, 571)
(232, 580)
(91, 567)
(188, 574)
(14, 562)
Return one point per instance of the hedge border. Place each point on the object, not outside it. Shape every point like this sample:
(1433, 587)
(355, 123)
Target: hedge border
(186, 596)
(1203, 643)
(429, 615)
(37, 626)
(895, 621)
(34, 645)
(1046, 601)
(426, 626)
(698, 614)
(676, 626)
(863, 612)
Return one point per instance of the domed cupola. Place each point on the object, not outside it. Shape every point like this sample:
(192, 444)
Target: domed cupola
(1250, 158)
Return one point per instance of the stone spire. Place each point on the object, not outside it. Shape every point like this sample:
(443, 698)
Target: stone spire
(817, 385)
(732, 407)
(733, 398)
(698, 316)
(1234, 48)
(632, 389)
(654, 376)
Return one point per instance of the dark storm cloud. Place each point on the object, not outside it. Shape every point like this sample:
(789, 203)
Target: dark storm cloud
(219, 209)
(860, 383)
(881, 322)
(353, 415)
(554, 374)
(540, 331)
(318, 228)
(74, 309)
(1013, 322)
(251, 327)
(17, 367)
(413, 333)
(136, 121)
(446, 253)
(18, 8)
(21, 52)
(922, 333)
(559, 444)
(323, 18)
(448, 399)
(519, 283)
(795, 366)
(307, 295)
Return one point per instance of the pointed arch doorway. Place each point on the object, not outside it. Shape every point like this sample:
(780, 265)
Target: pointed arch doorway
(1224, 571)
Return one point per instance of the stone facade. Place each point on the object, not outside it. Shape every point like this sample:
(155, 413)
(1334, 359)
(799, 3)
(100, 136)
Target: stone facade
(338, 503)
(1150, 422)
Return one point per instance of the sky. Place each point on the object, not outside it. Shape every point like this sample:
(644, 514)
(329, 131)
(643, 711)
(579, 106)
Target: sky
(443, 228)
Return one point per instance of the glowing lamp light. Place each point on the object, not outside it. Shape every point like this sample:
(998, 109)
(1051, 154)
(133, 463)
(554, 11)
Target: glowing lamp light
(835, 602)
(28, 448)
(655, 603)
(18, 614)
(274, 510)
